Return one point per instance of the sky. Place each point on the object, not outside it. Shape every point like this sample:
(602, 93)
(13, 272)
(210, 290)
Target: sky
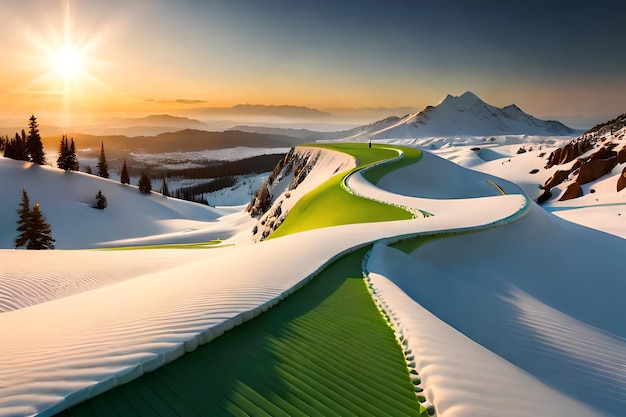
(554, 59)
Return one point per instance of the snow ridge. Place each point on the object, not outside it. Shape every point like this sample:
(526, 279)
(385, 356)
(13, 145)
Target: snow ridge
(465, 115)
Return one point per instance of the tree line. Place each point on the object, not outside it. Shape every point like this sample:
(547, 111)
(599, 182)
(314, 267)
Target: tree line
(25, 147)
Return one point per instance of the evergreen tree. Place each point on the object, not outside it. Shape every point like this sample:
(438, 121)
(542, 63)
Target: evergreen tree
(63, 150)
(88, 170)
(35, 147)
(164, 188)
(103, 169)
(145, 185)
(34, 231)
(124, 178)
(16, 148)
(72, 160)
(101, 201)
(23, 220)
(22, 147)
(40, 236)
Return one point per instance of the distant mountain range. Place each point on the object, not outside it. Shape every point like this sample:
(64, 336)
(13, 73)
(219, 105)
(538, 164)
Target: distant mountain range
(160, 120)
(465, 115)
(188, 140)
(240, 110)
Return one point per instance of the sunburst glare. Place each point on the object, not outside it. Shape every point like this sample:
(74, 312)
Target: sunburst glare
(66, 58)
(68, 62)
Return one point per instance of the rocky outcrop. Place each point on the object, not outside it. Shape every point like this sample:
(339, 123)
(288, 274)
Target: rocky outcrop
(586, 170)
(597, 166)
(261, 202)
(545, 196)
(275, 197)
(569, 151)
(621, 154)
(556, 178)
(605, 139)
(621, 181)
(572, 191)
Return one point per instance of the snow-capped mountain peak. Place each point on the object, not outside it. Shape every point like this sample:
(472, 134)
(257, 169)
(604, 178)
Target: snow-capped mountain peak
(464, 115)
(466, 99)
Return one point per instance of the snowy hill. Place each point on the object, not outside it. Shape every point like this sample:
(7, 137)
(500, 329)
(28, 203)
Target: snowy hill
(509, 310)
(66, 200)
(466, 115)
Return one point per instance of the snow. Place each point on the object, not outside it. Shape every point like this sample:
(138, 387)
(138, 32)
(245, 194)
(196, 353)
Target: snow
(180, 160)
(521, 316)
(466, 115)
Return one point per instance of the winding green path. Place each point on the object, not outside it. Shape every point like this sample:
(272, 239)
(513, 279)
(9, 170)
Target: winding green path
(324, 351)
(330, 204)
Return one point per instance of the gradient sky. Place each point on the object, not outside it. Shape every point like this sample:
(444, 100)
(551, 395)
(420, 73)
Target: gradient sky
(554, 59)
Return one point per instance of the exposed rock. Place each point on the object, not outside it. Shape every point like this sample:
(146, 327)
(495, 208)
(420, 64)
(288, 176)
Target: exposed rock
(572, 191)
(621, 182)
(592, 169)
(261, 201)
(556, 178)
(534, 171)
(302, 169)
(621, 155)
(604, 152)
(267, 204)
(545, 196)
(570, 151)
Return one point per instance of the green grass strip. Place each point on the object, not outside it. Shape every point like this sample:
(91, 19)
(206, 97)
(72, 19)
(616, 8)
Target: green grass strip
(331, 205)
(211, 244)
(411, 156)
(326, 350)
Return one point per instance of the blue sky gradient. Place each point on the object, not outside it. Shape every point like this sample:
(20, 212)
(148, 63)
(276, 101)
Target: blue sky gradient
(556, 59)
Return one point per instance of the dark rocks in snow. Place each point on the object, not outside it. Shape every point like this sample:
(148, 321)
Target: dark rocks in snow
(556, 178)
(597, 165)
(269, 209)
(261, 201)
(569, 151)
(572, 191)
(621, 182)
(621, 155)
(303, 167)
(545, 196)
(534, 171)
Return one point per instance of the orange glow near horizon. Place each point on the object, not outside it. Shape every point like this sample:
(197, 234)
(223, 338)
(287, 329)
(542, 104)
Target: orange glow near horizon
(75, 59)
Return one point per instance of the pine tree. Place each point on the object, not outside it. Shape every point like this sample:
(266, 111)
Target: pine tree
(35, 147)
(34, 231)
(63, 150)
(101, 201)
(16, 148)
(124, 178)
(22, 148)
(164, 188)
(88, 170)
(40, 236)
(72, 160)
(23, 220)
(103, 169)
(145, 185)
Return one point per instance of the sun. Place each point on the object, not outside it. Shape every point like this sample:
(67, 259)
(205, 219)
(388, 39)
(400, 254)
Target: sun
(68, 63)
